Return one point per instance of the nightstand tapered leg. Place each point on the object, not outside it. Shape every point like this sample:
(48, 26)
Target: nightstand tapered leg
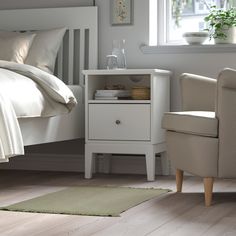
(89, 163)
(150, 165)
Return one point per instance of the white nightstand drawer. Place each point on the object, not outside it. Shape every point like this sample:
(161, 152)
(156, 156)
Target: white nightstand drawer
(119, 122)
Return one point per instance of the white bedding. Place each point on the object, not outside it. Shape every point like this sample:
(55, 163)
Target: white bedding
(26, 91)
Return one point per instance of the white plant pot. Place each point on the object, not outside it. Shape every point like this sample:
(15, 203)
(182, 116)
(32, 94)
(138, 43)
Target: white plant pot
(231, 36)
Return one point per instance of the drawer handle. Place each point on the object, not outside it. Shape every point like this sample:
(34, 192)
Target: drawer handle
(118, 122)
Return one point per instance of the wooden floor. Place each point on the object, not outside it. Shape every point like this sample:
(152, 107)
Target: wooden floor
(171, 214)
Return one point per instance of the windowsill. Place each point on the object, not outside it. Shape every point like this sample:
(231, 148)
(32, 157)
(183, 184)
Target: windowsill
(183, 49)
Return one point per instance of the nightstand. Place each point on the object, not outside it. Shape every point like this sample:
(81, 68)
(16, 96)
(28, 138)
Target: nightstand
(126, 126)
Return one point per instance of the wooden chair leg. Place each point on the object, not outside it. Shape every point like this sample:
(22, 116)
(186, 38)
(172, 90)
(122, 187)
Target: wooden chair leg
(179, 180)
(208, 188)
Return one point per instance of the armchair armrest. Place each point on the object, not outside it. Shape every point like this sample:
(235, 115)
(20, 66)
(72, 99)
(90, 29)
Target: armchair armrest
(227, 79)
(198, 92)
(226, 93)
(226, 113)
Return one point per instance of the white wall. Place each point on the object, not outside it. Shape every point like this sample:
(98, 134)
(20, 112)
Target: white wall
(135, 35)
(17, 4)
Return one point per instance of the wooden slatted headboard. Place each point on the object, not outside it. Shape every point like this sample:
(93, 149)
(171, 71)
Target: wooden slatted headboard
(80, 45)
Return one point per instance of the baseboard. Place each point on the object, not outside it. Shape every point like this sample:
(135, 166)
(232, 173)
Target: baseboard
(119, 164)
(46, 162)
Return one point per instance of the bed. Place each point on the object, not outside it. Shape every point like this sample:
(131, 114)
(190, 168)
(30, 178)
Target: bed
(77, 52)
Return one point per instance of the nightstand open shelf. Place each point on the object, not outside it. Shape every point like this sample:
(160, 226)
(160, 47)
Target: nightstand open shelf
(126, 126)
(120, 101)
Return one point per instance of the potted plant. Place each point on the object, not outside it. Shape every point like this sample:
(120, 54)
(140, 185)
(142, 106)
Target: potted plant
(222, 25)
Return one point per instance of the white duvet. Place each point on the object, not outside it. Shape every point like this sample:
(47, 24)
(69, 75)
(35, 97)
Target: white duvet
(26, 91)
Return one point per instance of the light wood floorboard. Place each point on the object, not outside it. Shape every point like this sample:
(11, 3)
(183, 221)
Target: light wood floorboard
(171, 214)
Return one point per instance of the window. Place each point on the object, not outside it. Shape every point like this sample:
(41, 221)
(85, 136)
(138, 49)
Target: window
(169, 19)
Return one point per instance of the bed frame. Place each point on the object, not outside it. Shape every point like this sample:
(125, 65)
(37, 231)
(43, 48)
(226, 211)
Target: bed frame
(79, 51)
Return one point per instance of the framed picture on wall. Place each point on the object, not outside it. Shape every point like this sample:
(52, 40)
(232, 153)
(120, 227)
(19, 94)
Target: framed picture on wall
(121, 12)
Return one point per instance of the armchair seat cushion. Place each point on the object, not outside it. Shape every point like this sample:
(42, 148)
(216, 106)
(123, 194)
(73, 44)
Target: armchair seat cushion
(201, 123)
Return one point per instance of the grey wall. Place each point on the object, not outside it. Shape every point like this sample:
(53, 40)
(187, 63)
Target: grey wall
(135, 35)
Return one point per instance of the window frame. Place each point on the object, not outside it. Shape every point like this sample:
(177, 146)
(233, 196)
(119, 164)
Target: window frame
(160, 45)
(163, 18)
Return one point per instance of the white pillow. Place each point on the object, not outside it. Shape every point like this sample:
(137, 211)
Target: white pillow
(44, 49)
(14, 46)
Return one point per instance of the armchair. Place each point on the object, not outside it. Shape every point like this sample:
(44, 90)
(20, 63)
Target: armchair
(201, 139)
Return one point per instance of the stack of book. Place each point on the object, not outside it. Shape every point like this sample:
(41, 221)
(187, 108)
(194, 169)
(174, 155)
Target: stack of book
(111, 94)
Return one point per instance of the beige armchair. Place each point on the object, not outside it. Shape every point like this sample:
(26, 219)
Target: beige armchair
(201, 139)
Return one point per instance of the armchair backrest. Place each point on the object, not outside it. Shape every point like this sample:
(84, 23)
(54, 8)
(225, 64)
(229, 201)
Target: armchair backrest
(198, 92)
(226, 113)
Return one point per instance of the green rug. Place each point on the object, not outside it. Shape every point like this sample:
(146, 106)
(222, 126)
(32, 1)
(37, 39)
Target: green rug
(93, 201)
